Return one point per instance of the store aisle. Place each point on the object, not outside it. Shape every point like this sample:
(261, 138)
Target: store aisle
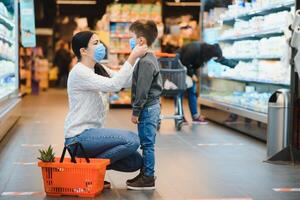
(199, 162)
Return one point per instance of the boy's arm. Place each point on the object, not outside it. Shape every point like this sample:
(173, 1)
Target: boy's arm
(143, 85)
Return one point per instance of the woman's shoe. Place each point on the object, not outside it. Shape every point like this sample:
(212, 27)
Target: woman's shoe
(106, 185)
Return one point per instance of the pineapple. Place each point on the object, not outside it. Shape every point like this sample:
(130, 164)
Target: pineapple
(47, 155)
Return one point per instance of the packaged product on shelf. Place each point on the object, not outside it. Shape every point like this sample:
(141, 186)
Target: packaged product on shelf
(280, 20)
(145, 12)
(156, 13)
(134, 14)
(277, 20)
(124, 44)
(240, 9)
(114, 44)
(113, 28)
(273, 47)
(115, 12)
(4, 32)
(3, 10)
(126, 9)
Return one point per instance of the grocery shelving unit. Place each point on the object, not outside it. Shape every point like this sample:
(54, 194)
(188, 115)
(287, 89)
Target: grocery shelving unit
(260, 11)
(247, 117)
(9, 73)
(121, 16)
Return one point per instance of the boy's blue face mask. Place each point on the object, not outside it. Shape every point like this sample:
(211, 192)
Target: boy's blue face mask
(99, 53)
(132, 43)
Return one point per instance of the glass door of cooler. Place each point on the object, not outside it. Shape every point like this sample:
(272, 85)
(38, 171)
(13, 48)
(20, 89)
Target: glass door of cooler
(253, 36)
(8, 51)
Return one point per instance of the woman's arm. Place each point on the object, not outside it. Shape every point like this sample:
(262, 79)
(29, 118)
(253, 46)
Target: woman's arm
(88, 80)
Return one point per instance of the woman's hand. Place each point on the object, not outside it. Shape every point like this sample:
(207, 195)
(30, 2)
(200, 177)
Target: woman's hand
(138, 51)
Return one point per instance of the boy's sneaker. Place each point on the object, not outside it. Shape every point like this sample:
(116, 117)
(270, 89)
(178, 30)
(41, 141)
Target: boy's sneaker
(134, 179)
(143, 182)
(200, 120)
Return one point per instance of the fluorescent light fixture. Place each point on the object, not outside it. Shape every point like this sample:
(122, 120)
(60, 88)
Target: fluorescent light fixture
(77, 2)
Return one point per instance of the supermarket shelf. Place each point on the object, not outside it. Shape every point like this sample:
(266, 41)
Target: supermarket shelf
(262, 117)
(248, 80)
(256, 35)
(121, 21)
(6, 22)
(259, 12)
(120, 103)
(6, 96)
(6, 40)
(252, 58)
(5, 58)
(126, 36)
(6, 75)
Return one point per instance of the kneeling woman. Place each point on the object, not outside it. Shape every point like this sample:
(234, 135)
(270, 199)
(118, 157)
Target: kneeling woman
(88, 105)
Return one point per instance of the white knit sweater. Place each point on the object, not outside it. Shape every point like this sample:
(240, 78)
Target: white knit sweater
(88, 98)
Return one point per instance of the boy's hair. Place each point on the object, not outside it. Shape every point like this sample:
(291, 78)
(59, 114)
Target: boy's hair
(146, 29)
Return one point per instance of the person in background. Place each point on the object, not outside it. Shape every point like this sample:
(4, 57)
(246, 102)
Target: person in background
(194, 55)
(62, 60)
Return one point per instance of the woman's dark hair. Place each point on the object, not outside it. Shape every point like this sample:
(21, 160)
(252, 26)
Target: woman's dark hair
(80, 40)
(100, 70)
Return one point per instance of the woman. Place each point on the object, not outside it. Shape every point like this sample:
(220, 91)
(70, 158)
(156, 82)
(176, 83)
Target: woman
(88, 105)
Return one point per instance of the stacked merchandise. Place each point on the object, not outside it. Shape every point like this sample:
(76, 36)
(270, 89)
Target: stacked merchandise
(256, 34)
(121, 16)
(8, 64)
(274, 23)
(254, 101)
(26, 63)
(242, 9)
(34, 70)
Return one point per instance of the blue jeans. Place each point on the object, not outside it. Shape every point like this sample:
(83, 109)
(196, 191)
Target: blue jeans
(192, 97)
(147, 127)
(120, 146)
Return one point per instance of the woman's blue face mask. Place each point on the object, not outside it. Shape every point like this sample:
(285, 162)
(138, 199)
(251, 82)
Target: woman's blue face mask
(99, 52)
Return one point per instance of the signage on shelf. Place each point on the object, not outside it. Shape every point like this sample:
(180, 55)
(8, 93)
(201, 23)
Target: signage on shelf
(28, 35)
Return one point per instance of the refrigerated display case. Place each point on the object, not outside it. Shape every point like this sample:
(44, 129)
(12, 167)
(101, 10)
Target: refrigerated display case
(256, 34)
(8, 65)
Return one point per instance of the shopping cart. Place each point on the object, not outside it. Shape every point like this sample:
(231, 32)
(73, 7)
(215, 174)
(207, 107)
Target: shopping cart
(173, 75)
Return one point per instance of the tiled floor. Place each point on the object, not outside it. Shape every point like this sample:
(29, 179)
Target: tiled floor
(207, 161)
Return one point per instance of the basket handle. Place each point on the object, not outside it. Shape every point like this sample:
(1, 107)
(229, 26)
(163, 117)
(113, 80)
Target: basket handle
(74, 153)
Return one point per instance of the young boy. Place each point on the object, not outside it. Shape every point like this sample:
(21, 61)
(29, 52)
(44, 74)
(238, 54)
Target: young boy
(146, 91)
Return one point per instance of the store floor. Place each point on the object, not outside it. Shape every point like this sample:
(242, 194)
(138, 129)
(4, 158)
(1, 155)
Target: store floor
(207, 161)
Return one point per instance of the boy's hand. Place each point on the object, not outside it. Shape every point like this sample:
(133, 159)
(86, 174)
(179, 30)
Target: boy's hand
(134, 119)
